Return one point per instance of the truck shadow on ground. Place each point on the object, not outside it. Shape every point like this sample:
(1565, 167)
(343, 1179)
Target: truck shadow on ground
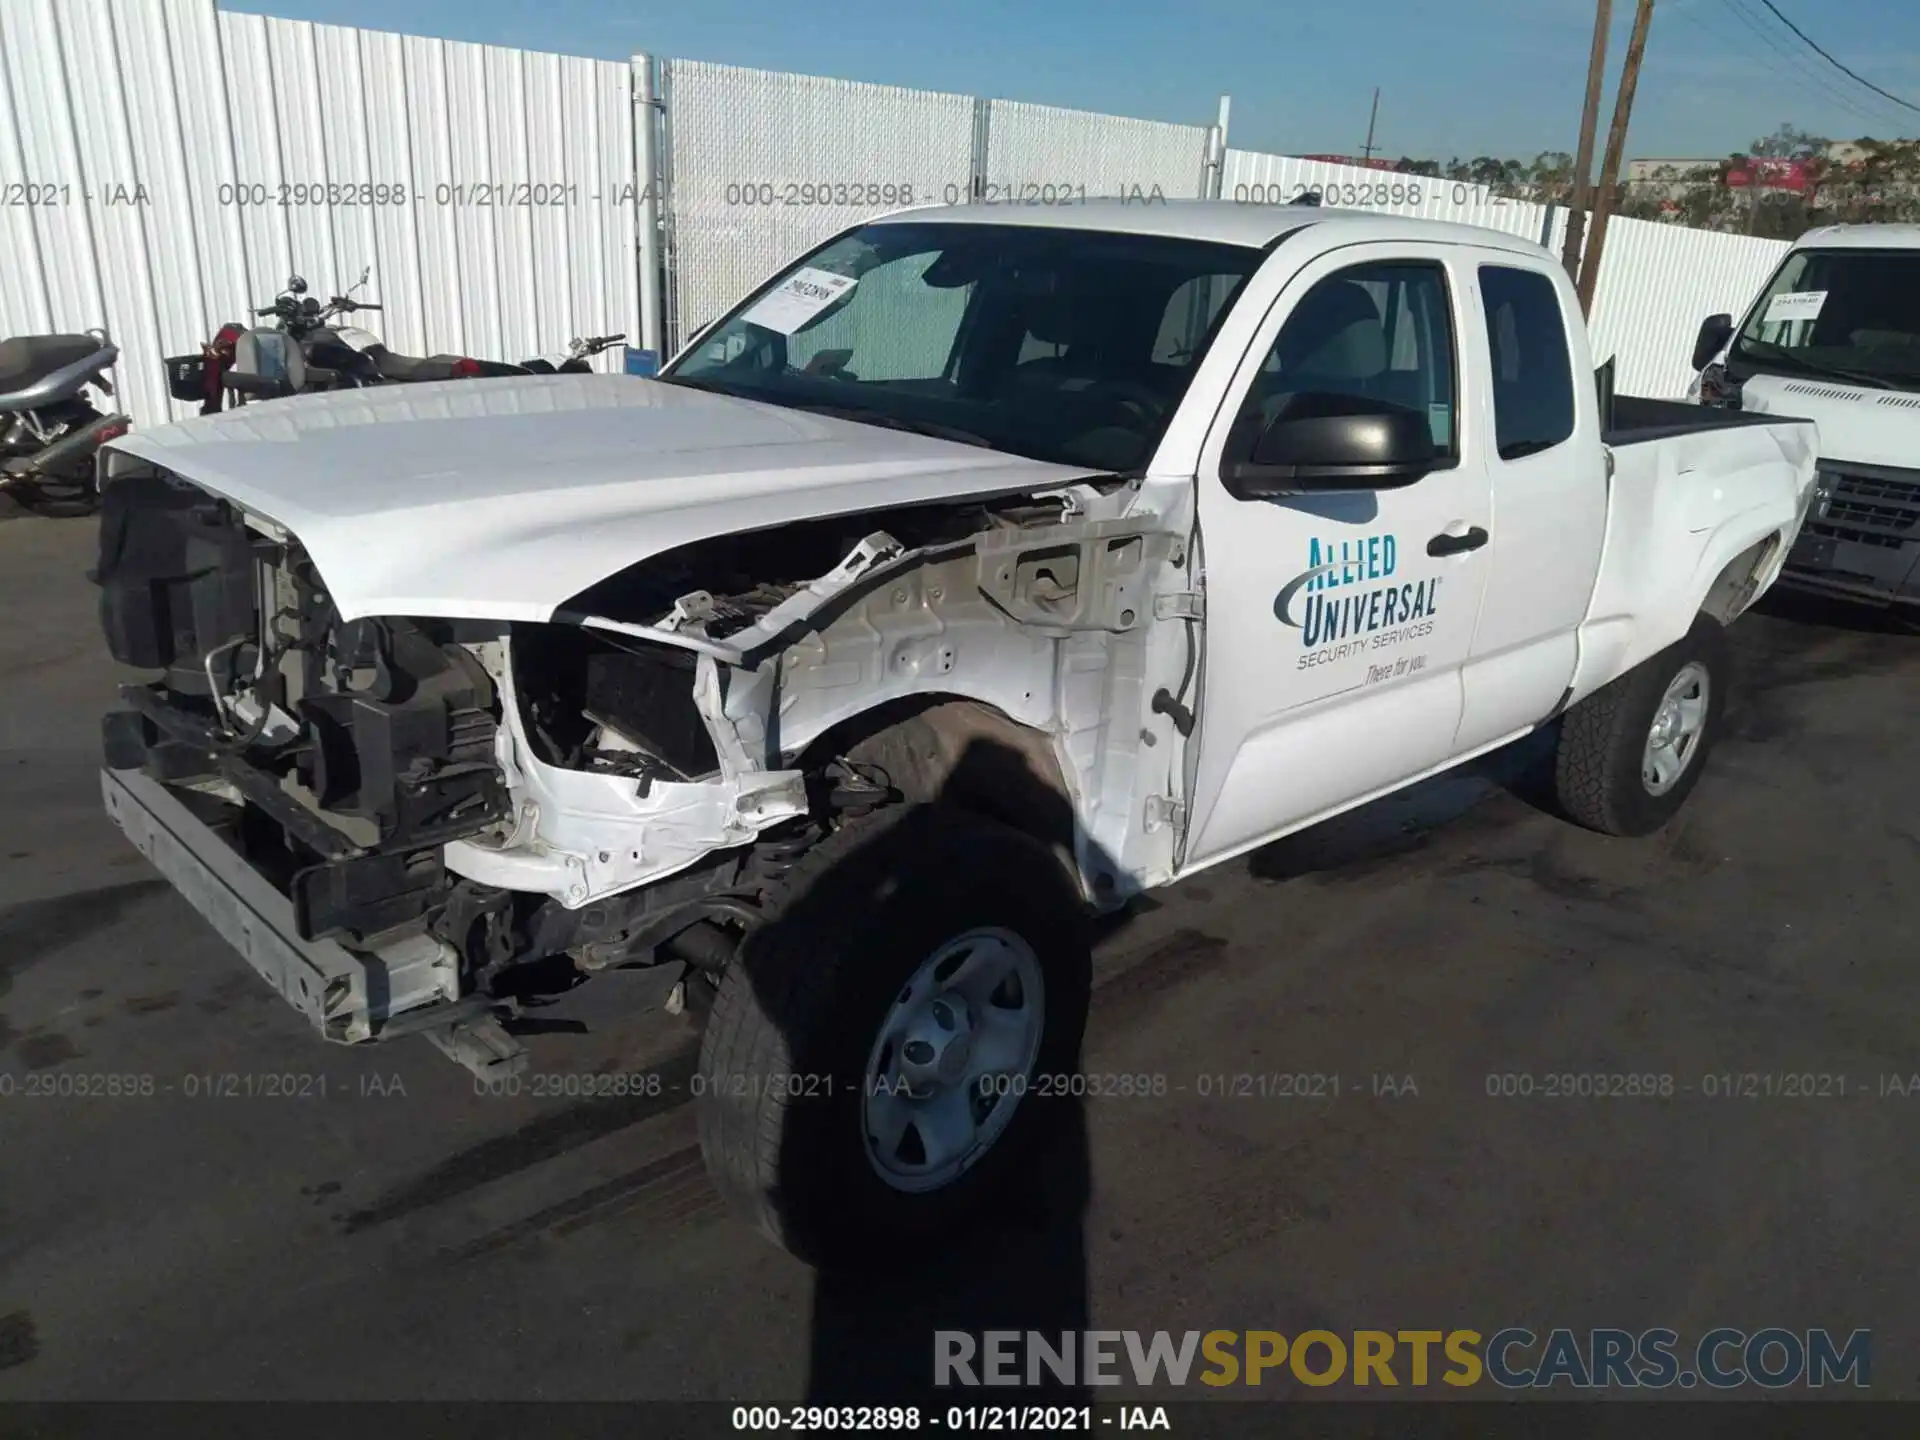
(1375, 835)
(1021, 1269)
(1024, 1266)
(1800, 643)
(1019, 1265)
(1830, 612)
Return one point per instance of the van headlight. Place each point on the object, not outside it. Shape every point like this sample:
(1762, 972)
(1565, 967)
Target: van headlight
(1718, 389)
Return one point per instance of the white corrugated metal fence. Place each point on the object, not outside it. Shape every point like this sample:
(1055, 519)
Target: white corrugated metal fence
(170, 166)
(1252, 178)
(1657, 282)
(165, 166)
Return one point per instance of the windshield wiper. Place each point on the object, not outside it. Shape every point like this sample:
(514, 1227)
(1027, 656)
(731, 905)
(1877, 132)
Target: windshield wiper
(1820, 367)
(868, 416)
(694, 382)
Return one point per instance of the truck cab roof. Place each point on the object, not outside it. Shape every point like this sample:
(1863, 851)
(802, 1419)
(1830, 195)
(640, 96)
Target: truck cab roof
(1226, 222)
(1866, 237)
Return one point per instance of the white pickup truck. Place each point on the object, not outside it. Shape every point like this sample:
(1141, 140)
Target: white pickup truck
(987, 567)
(1835, 336)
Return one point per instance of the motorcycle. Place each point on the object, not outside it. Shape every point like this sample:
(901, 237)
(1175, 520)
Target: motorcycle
(304, 350)
(50, 430)
(572, 360)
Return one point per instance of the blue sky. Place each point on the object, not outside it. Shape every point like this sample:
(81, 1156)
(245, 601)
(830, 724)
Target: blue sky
(1458, 77)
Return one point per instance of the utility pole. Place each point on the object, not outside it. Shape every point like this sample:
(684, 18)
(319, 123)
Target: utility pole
(1372, 115)
(1583, 161)
(1616, 149)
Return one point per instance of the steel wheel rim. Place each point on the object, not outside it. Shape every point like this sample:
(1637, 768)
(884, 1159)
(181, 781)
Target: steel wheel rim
(952, 1060)
(1673, 737)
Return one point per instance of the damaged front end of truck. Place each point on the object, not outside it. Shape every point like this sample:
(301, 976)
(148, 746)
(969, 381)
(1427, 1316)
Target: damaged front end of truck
(402, 821)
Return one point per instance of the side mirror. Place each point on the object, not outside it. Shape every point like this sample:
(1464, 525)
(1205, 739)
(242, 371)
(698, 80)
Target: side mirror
(1334, 442)
(1715, 331)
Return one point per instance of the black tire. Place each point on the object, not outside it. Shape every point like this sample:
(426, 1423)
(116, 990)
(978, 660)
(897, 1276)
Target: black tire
(1597, 768)
(56, 500)
(782, 1063)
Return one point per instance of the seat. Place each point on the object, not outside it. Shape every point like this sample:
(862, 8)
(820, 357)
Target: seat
(392, 365)
(1334, 343)
(27, 362)
(267, 364)
(1076, 331)
(1335, 339)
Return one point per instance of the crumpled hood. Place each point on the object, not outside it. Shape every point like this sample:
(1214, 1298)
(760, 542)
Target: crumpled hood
(502, 499)
(1858, 424)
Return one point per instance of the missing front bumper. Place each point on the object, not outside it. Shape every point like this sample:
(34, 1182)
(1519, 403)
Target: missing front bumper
(410, 986)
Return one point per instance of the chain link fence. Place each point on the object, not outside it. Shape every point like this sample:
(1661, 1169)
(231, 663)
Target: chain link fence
(763, 166)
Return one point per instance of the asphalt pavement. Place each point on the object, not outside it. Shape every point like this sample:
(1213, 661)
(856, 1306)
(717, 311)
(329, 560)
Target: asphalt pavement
(230, 1209)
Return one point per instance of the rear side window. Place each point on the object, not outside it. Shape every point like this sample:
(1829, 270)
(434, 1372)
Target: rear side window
(1532, 376)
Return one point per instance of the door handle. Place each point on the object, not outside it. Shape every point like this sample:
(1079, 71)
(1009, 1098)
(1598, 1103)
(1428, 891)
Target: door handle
(1445, 544)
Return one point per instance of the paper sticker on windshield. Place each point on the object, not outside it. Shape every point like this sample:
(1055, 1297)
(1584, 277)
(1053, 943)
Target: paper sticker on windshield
(1796, 305)
(798, 298)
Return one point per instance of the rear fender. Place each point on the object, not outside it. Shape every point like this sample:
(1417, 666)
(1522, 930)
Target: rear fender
(1695, 523)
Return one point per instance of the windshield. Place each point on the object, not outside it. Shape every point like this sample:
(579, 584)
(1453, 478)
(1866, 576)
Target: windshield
(1060, 345)
(1851, 315)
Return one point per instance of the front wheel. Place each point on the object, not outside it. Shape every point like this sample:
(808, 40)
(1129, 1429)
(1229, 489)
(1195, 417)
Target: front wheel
(904, 1030)
(1631, 752)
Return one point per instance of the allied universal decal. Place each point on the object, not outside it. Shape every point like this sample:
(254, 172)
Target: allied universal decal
(1350, 598)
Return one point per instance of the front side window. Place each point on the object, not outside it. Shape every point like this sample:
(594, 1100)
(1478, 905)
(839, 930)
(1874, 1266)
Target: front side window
(1380, 333)
(1532, 374)
(1847, 314)
(1061, 345)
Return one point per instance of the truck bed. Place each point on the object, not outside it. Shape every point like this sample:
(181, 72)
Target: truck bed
(1635, 419)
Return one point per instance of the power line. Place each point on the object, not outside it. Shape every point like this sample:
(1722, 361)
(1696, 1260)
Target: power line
(1804, 69)
(1814, 84)
(1908, 104)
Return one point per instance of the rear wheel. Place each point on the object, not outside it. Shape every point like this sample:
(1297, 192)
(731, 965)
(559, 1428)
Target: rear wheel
(886, 1049)
(54, 498)
(1631, 753)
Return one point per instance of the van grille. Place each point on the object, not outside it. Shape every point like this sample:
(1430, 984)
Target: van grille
(1880, 508)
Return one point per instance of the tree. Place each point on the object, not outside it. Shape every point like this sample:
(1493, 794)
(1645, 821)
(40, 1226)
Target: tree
(1788, 143)
(1487, 170)
(1880, 183)
(1881, 186)
(1550, 177)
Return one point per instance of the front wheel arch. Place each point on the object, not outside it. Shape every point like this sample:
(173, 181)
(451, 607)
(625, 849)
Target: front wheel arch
(957, 751)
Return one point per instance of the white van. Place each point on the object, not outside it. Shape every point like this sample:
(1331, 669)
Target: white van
(1835, 338)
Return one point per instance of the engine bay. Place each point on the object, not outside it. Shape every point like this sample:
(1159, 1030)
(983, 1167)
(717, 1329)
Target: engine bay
(596, 784)
(347, 753)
